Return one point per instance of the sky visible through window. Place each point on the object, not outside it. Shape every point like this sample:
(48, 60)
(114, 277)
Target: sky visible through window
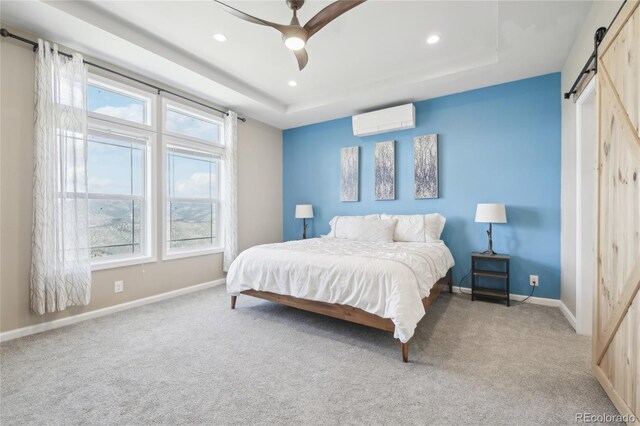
(128, 108)
(192, 176)
(113, 104)
(188, 125)
(116, 166)
(192, 185)
(110, 167)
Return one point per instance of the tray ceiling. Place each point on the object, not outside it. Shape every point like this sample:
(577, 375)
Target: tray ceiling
(376, 55)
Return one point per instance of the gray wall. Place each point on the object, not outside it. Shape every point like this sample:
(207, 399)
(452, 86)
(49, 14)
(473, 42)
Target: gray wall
(259, 200)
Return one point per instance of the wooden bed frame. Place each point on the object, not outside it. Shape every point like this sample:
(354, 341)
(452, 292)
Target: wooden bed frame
(349, 313)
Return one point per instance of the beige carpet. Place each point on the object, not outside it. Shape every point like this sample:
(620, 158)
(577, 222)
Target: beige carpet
(191, 360)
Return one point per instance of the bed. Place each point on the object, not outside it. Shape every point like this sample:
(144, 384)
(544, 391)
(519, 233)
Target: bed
(385, 285)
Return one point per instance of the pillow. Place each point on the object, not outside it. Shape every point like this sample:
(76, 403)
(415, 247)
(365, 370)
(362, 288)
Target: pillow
(364, 229)
(332, 222)
(409, 228)
(433, 226)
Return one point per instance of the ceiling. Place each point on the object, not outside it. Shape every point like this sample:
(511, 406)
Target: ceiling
(373, 56)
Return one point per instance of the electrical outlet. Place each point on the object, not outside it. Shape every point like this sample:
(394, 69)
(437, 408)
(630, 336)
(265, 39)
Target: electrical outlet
(533, 280)
(118, 287)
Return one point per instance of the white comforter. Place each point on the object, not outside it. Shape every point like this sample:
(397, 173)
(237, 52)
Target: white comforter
(385, 279)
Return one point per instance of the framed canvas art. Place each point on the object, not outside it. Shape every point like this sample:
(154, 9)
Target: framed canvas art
(349, 171)
(385, 170)
(425, 166)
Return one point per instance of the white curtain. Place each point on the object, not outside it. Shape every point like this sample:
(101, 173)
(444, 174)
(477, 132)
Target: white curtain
(60, 264)
(230, 190)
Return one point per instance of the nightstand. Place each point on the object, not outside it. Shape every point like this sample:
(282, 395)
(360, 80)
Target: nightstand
(503, 262)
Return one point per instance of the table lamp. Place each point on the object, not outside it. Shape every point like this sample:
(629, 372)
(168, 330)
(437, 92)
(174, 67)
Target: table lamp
(491, 213)
(304, 212)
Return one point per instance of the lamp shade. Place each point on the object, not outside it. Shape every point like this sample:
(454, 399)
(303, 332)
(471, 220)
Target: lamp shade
(491, 213)
(304, 211)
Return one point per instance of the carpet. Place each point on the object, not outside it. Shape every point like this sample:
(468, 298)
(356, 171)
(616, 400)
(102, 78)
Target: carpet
(191, 360)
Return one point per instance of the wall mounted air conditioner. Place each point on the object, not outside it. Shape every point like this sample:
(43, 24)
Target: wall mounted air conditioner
(385, 120)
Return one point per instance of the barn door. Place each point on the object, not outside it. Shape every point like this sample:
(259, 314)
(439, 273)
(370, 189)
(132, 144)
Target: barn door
(616, 328)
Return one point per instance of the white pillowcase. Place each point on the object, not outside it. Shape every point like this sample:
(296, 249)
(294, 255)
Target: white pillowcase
(409, 228)
(332, 222)
(417, 228)
(363, 229)
(433, 226)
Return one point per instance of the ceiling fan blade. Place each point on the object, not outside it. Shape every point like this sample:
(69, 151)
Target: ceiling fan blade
(330, 13)
(245, 16)
(302, 57)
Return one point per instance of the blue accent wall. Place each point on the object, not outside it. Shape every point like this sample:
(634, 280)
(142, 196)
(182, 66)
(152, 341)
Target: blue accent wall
(498, 144)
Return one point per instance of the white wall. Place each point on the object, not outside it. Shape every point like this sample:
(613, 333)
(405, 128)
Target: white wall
(600, 15)
(259, 203)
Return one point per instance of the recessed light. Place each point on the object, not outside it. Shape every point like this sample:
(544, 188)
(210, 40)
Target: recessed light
(293, 83)
(220, 37)
(433, 39)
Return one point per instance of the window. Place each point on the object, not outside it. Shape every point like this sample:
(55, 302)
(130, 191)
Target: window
(114, 102)
(182, 121)
(119, 177)
(115, 178)
(192, 202)
(193, 163)
(121, 170)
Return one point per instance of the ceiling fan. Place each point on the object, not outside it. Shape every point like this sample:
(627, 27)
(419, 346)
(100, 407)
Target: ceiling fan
(294, 35)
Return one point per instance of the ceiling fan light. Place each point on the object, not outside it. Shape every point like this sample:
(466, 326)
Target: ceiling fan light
(294, 43)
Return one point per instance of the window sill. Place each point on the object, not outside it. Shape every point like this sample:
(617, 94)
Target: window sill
(192, 253)
(120, 263)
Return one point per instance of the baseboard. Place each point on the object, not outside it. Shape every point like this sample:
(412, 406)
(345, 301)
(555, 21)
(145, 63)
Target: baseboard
(568, 315)
(50, 325)
(519, 298)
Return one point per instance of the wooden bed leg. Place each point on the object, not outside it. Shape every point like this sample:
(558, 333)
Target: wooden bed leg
(450, 279)
(405, 352)
(233, 302)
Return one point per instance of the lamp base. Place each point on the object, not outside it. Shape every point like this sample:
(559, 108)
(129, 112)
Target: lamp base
(489, 251)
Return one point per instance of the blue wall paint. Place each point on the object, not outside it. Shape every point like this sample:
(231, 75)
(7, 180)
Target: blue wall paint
(497, 144)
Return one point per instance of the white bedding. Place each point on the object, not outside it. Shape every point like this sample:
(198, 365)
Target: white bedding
(385, 279)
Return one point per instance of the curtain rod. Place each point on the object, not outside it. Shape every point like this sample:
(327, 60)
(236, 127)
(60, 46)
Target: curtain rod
(597, 39)
(5, 33)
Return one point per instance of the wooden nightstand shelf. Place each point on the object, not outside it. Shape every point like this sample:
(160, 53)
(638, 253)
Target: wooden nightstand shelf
(478, 291)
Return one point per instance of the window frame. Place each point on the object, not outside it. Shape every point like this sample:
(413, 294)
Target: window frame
(107, 124)
(133, 92)
(197, 113)
(216, 150)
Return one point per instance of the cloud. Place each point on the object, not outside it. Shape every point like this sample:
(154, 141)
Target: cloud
(97, 184)
(109, 186)
(197, 185)
(190, 126)
(133, 112)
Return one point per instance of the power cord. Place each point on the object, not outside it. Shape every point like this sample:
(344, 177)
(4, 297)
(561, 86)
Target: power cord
(533, 288)
(461, 281)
